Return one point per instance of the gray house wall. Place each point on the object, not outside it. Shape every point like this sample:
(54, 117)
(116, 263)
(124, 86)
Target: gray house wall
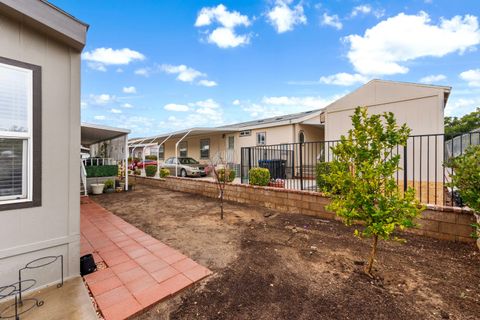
(54, 227)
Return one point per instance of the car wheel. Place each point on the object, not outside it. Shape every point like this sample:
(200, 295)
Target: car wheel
(183, 173)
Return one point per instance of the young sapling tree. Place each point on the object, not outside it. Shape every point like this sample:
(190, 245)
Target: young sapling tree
(361, 179)
(222, 175)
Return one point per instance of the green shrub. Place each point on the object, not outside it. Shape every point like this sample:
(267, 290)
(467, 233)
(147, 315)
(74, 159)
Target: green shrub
(164, 173)
(102, 171)
(137, 172)
(259, 176)
(150, 171)
(467, 177)
(323, 169)
(151, 157)
(109, 183)
(230, 176)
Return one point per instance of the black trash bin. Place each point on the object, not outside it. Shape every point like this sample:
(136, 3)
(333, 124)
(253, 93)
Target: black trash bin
(277, 167)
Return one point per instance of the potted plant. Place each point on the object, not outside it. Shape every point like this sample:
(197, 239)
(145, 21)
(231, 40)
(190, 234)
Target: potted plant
(97, 188)
(109, 186)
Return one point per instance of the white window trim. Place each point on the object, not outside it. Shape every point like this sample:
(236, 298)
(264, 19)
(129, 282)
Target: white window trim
(27, 181)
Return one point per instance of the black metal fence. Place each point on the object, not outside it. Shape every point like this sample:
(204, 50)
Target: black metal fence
(422, 161)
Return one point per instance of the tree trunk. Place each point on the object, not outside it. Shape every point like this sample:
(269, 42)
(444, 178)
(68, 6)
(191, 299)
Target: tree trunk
(368, 269)
(221, 204)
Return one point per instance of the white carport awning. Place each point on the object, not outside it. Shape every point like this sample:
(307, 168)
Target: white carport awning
(94, 133)
(179, 134)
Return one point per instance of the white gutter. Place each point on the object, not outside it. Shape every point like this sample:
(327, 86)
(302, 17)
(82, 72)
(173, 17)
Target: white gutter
(176, 152)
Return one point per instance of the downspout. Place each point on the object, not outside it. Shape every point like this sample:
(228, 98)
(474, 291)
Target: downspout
(176, 151)
(158, 155)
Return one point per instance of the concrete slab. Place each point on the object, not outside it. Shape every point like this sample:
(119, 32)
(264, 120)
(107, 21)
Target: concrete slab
(68, 302)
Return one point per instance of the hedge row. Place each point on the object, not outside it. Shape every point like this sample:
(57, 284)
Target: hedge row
(102, 171)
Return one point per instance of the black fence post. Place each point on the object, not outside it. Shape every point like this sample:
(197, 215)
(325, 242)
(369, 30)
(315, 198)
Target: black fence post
(241, 164)
(301, 165)
(249, 164)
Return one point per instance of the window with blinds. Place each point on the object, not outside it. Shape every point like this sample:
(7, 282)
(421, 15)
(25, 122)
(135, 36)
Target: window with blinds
(16, 96)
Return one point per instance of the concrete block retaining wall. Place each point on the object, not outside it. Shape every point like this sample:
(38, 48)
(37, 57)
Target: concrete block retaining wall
(438, 222)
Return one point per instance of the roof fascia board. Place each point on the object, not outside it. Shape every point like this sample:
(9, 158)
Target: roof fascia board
(44, 16)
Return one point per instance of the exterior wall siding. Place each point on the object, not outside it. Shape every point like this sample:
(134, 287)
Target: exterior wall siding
(54, 227)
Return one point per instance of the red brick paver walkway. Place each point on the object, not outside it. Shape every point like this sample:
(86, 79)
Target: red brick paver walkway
(140, 269)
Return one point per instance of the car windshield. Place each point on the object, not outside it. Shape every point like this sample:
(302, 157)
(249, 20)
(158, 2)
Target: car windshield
(187, 161)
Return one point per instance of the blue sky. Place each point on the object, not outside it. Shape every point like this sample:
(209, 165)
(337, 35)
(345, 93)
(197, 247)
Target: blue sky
(156, 66)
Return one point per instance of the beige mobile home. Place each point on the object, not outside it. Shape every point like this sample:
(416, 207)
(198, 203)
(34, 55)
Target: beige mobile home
(419, 106)
(40, 48)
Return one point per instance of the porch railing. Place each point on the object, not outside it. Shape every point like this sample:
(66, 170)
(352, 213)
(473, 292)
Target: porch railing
(83, 176)
(423, 164)
(99, 162)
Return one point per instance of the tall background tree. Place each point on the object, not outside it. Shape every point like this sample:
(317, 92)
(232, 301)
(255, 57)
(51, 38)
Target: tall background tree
(361, 179)
(467, 123)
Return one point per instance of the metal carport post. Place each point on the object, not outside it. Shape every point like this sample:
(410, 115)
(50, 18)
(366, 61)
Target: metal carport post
(176, 151)
(158, 155)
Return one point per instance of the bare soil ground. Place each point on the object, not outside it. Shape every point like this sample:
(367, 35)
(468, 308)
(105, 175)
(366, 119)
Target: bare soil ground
(285, 266)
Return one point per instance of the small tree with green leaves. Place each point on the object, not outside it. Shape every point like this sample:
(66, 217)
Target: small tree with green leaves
(361, 179)
(466, 179)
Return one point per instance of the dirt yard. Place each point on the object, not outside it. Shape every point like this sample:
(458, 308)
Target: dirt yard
(280, 266)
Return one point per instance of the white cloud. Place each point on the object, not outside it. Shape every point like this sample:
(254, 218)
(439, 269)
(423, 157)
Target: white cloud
(220, 14)
(332, 21)
(236, 102)
(142, 72)
(176, 107)
(280, 105)
(204, 113)
(207, 83)
(344, 79)
(361, 9)
(97, 66)
(184, 73)
(472, 77)
(284, 18)
(187, 74)
(384, 48)
(131, 89)
(83, 105)
(101, 57)
(138, 124)
(99, 117)
(224, 35)
(460, 106)
(209, 103)
(365, 9)
(226, 38)
(127, 105)
(113, 110)
(102, 99)
(433, 78)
